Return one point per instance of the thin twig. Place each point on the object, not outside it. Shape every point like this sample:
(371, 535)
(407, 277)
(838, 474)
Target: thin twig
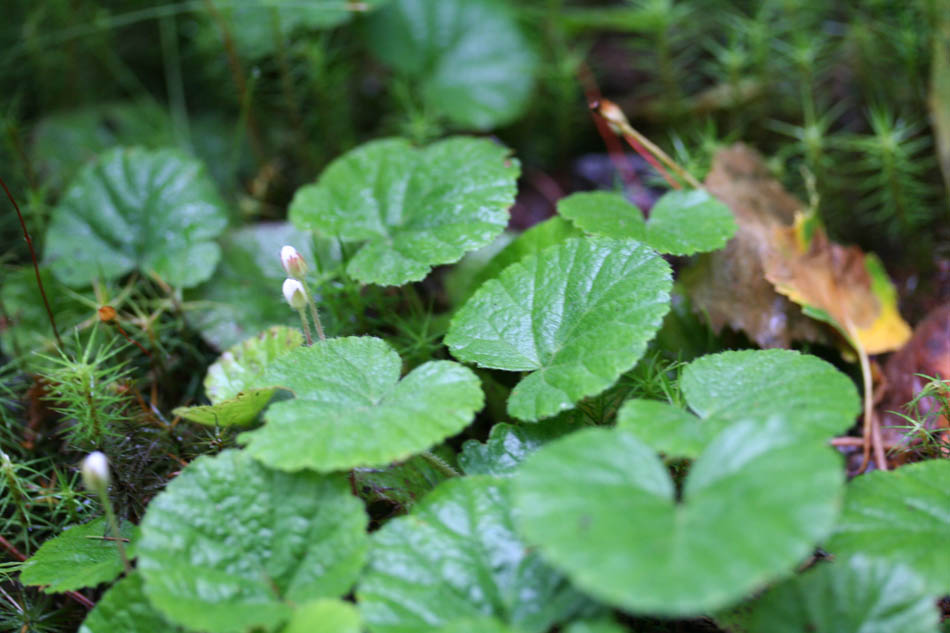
(36, 265)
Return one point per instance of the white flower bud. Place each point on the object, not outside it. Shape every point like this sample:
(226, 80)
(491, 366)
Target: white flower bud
(292, 262)
(95, 470)
(294, 293)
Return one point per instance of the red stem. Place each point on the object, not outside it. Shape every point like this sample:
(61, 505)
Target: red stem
(36, 266)
(640, 149)
(614, 148)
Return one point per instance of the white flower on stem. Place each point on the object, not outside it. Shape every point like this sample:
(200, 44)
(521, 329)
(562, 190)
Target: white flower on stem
(293, 262)
(294, 293)
(95, 470)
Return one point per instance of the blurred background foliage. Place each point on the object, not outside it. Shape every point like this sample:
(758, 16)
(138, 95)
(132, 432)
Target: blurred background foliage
(839, 95)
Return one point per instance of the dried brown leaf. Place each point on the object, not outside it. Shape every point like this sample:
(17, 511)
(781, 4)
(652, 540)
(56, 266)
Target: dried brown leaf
(729, 285)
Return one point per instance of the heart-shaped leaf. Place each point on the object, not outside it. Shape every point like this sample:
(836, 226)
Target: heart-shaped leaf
(230, 545)
(125, 608)
(134, 209)
(857, 595)
(325, 616)
(82, 556)
(576, 315)
(508, 445)
(681, 222)
(457, 556)
(412, 208)
(351, 409)
(244, 297)
(602, 508)
(813, 397)
(473, 65)
(902, 517)
(230, 380)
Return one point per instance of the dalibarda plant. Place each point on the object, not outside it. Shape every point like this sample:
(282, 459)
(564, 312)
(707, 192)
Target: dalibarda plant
(546, 525)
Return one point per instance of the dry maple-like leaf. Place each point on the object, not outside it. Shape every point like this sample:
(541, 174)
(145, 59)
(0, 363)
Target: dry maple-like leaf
(837, 284)
(729, 285)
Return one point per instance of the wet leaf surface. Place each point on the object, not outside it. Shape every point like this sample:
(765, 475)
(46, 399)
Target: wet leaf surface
(601, 507)
(457, 556)
(350, 409)
(156, 211)
(815, 400)
(576, 316)
(230, 545)
(902, 517)
(410, 208)
(469, 58)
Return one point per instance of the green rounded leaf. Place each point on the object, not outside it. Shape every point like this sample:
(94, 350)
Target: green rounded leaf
(665, 428)
(244, 297)
(681, 222)
(857, 595)
(577, 315)
(601, 507)
(230, 381)
(604, 213)
(125, 608)
(811, 395)
(687, 222)
(471, 61)
(325, 616)
(412, 208)
(82, 556)
(457, 556)
(351, 409)
(156, 211)
(903, 517)
(732, 385)
(231, 545)
(508, 445)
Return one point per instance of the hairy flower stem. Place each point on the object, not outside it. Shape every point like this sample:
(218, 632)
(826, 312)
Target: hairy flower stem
(439, 464)
(306, 326)
(114, 526)
(313, 311)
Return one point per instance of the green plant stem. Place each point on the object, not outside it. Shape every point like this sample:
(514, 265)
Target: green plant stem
(306, 326)
(439, 464)
(313, 311)
(114, 526)
(868, 431)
